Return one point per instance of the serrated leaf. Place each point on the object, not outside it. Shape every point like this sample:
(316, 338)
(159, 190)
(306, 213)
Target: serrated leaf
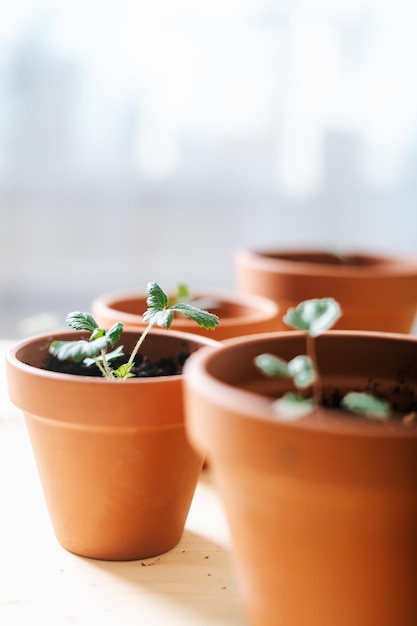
(81, 321)
(302, 369)
(291, 407)
(272, 366)
(157, 312)
(314, 316)
(77, 351)
(367, 405)
(202, 318)
(157, 298)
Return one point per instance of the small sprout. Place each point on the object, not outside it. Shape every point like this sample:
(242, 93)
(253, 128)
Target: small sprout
(95, 349)
(124, 371)
(314, 316)
(183, 293)
(160, 313)
(368, 405)
(300, 369)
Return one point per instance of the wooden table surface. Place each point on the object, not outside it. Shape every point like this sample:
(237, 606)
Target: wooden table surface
(41, 583)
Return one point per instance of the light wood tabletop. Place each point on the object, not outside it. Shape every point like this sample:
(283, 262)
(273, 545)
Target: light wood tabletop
(41, 583)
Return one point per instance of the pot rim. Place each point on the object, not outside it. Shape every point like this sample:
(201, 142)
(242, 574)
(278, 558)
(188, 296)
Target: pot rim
(90, 402)
(261, 308)
(44, 339)
(379, 264)
(250, 405)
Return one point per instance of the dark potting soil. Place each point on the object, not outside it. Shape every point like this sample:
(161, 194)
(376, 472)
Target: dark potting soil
(402, 400)
(143, 366)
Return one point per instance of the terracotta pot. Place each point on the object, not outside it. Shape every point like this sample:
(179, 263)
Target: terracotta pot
(117, 471)
(375, 292)
(240, 314)
(323, 511)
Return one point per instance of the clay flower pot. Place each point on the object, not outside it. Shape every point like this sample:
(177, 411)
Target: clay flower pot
(240, 314)
(117, 471)
(375, 292)
(322, 511)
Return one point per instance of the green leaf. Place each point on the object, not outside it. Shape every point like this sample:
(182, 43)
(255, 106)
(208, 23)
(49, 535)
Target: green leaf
(77, 351)
(202, 318)
(157, 299)
(367, 405)
(291, 407)
(99, 332)
(272, 366)
(114, 333)
(81, 321)
(159, 313)
(302, 369)
(110, 356)
(314, 316)
(124, 371)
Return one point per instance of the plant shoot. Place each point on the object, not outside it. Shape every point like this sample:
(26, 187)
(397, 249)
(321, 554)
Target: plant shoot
(95, 349)
(313, 317)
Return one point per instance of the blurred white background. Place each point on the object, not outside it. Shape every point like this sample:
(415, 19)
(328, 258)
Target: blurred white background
(147, 140)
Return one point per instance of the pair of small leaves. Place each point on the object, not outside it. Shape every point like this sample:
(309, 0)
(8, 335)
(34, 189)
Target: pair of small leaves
(300, 369)
(314, 316)
(292, 406)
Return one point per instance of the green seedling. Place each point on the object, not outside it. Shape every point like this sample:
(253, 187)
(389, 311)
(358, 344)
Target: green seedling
(313, 317)
(183, 294)
(95, 349)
